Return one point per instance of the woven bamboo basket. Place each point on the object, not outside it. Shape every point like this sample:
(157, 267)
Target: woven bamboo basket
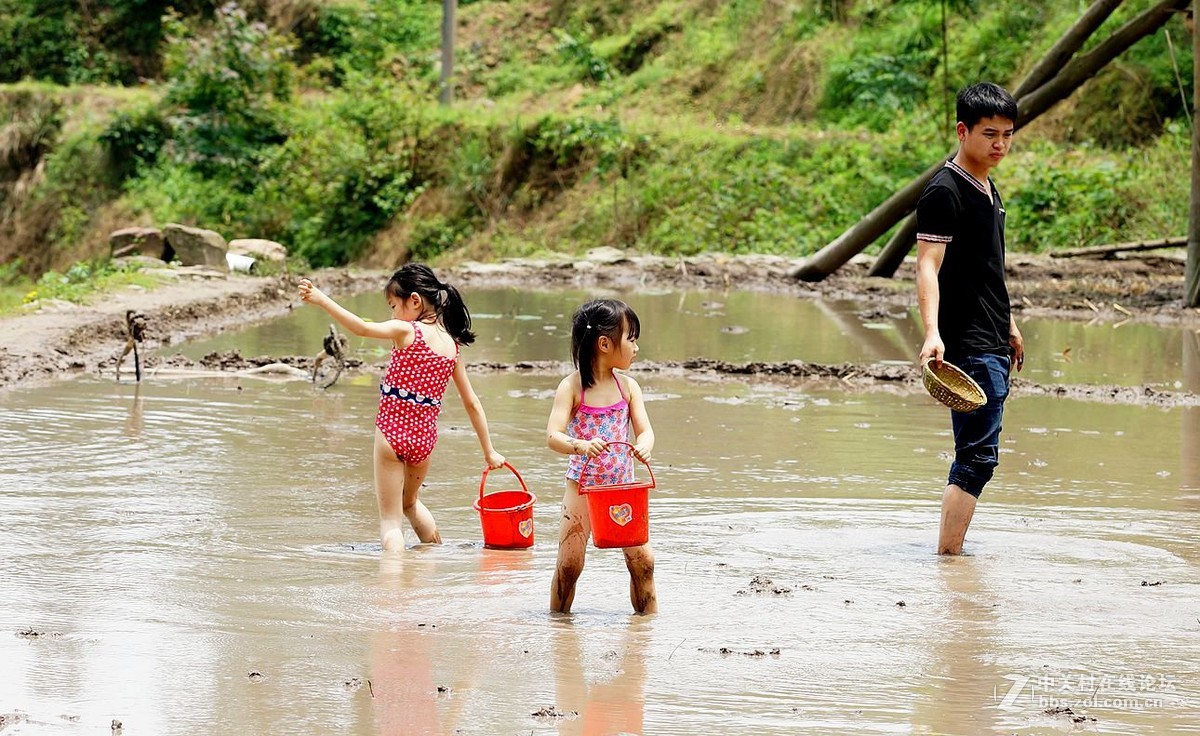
(948, 384)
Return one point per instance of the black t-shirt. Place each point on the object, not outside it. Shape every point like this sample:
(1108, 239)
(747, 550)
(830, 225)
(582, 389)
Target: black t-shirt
(973, 311)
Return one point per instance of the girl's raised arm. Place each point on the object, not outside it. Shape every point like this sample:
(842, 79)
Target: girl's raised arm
(643, 433)
(395, 330)
(476, 414)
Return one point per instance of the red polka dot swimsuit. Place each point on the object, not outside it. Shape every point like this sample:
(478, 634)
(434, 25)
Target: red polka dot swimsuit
(611, 424)
(411, 398)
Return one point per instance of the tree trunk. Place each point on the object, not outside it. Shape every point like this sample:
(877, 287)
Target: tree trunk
(882, 218)
(1192, 279)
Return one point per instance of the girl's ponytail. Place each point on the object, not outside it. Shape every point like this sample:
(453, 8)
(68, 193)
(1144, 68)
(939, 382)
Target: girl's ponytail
(444, 299)
(455, 315)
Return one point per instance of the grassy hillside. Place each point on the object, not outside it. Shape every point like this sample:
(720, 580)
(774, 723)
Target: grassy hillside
(671, 126)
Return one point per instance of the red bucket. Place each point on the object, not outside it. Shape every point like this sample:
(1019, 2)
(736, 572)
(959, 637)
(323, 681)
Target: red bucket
(506, 516)
(620, 512)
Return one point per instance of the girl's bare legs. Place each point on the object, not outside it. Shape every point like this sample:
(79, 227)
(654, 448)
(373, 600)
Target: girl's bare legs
(640, 561)
(573, 535)
(419, 516)
(396, 487)
(389, 487)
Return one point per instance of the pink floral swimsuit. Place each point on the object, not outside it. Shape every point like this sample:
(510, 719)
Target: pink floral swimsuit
(611, 424)
(410, 398)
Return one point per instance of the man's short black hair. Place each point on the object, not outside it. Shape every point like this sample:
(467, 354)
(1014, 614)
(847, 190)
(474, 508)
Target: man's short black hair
(984, 100)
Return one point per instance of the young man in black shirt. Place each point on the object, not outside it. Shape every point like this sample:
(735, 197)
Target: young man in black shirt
(962, 295)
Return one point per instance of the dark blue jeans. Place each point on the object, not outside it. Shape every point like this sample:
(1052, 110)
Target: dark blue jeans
(977, 434)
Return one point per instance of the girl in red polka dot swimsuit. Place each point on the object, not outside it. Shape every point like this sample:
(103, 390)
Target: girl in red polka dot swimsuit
(429, 324)
(594, 406)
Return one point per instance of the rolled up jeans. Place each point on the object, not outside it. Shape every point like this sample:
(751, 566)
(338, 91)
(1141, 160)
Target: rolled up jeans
(977, 434)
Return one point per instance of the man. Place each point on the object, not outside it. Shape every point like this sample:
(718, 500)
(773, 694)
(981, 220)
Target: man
(962, 295)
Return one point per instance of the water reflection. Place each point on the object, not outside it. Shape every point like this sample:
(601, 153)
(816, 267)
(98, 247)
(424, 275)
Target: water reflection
(962, 674)
(599, 695)
(518, 324)
(135, 421)
(1189, 435)
(404, 696)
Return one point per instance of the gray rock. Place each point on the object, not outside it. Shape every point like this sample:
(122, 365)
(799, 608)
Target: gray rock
(137, 241)
(263, 250)
(194, 246)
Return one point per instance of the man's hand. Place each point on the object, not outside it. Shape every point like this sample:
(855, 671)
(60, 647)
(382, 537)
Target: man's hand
(1017, 344)
(933, 349)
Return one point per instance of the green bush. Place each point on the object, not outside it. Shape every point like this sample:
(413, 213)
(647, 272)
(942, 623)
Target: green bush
(225, 81)
(133, 140)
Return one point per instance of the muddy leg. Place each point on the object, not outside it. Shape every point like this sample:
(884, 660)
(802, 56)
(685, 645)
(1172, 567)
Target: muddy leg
(419, 516)
(389, 494)
(958, 507)
(640, 561)
(573, 534)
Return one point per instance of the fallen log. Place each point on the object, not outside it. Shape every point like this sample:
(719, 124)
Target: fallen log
(1108, 251)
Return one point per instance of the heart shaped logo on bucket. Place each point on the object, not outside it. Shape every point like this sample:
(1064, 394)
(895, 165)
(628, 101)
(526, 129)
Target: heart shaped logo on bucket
(525, 527)
(622, 514)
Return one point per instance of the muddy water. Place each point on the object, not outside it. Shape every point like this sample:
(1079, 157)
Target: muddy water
(199, 556)
(745, 326)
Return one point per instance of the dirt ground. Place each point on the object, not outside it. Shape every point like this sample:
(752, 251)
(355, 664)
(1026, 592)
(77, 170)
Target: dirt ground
(59, 340)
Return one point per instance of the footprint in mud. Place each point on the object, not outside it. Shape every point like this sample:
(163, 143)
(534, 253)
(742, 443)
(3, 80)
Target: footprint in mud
(552, 714)
(32, 633)
(1066, 711)
(726, 651)
(760, 584)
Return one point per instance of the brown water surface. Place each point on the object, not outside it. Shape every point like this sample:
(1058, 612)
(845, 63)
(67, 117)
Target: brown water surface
(199, 555)
(755, 326)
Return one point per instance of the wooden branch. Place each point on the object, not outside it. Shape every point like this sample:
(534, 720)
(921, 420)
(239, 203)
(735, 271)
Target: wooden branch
(1066, 46)
(1108, 251)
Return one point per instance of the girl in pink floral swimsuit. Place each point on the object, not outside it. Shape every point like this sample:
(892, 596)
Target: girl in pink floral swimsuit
(594, 406)
(429, 324)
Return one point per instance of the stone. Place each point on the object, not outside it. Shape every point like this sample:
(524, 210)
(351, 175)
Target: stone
(194, 246)
(137, 241)
(263, 250)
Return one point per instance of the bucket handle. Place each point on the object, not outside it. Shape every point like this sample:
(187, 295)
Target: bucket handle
(483, 480)
(588, 459)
